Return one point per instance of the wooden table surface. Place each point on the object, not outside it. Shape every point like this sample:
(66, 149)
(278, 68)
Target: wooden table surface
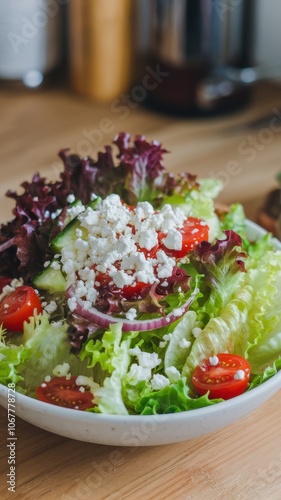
(243, 461)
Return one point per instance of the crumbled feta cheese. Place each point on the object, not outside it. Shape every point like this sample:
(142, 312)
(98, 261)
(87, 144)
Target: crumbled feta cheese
(72, 303)
(158, 382)
(148, 239)
(162, 344)
(110, 240)
(167, 336)
(47, 378)
(196, 331)
(70, 198)
(88, 382)
(184, 343)
(131, 314)
(75, 210)
(214, 360)
(61, 370)
(121, 279)
(55, 265)
(178, 312)
(138, 373)
(11, 287)
(145, 359)
(239, 375)
(51, 307)
(173, 240)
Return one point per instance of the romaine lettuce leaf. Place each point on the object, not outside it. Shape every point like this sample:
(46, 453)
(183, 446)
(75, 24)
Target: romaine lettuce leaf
(226, 333)
(223, 271)
(180, 342)
(264, 320)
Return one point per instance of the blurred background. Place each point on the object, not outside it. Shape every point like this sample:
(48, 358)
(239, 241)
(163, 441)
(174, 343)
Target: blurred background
(201, 76)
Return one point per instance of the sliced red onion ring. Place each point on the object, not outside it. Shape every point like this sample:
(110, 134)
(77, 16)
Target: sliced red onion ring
(104, 320)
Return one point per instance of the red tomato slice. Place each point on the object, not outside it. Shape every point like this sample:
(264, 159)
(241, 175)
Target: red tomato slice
(133, 291)
(62, 392)
(149, 254)
(226, 379)
(4, 280)
(193, 232)
(103, 280)
(18, 306)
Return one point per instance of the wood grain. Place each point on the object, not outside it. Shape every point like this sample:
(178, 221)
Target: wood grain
(242, 461)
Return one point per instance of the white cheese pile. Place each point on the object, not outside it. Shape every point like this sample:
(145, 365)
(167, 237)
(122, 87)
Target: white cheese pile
(119, 244)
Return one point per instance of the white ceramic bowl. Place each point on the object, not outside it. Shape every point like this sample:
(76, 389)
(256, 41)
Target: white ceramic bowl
(134, 430)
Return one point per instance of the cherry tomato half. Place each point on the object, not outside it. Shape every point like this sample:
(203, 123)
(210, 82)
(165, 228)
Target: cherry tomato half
(62, 392)
(4, 280)
(18, 306)
(193, 232)
(133, 291)
(224, 375)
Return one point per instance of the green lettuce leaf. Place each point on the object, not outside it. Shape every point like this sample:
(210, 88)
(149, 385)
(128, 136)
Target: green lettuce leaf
(227, 332)
(264, 320)
(41, 347)
(47, 346)
(235, 220)
(12, 357)
(178, 348)
(223, 271)
(199, 202)
(266, 375)
(171, 399)
(110, 354)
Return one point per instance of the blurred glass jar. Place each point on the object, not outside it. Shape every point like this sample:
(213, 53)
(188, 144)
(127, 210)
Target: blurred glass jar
(100, 47)
(29, 40)
(196, 44)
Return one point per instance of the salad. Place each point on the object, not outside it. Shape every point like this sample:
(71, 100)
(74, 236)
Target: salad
(124, 290)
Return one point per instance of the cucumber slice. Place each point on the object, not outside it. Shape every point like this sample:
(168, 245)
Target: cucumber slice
(50, 279)
(67, 236)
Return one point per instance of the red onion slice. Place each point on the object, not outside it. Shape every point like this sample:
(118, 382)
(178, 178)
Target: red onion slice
(104, 320)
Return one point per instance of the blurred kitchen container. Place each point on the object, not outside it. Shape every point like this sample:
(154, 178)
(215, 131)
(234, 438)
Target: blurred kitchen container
(100, 47)
(29, 40)
(203, 50)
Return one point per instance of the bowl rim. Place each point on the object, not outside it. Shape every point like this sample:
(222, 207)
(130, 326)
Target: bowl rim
(273, 383)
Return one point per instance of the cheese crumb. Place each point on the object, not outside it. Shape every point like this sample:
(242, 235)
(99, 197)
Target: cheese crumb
(159, 381)
(184, 344)
(196, 331)
(61, 370)
(239, 375)
(131, 314)
(214, 360)
(138, 373)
